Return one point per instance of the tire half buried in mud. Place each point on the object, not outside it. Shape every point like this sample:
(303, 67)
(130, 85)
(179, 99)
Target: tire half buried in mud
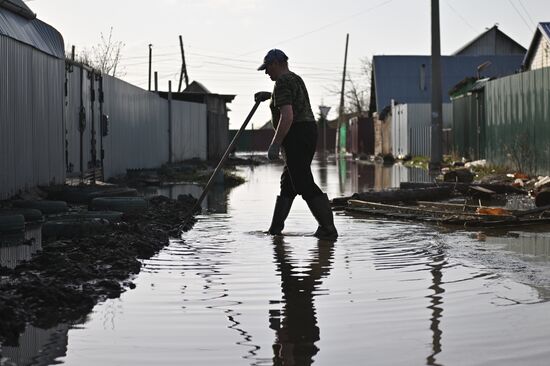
(31, 215)
(120, 204)
(73, 228)
(46, 207)
(11, 223)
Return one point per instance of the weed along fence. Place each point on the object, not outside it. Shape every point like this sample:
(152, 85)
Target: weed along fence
(112, 126)
(32, 73)
(518, 121)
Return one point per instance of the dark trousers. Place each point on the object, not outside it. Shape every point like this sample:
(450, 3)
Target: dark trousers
(299, 147)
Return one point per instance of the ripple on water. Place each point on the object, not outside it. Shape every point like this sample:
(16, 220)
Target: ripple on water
(385, 293)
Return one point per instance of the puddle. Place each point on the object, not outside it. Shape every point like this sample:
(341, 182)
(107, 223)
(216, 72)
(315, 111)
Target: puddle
(16, 248)
(385, 293)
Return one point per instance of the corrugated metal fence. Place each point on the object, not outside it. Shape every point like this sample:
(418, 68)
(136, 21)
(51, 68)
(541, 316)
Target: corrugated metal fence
(138, 130)
(31, 118)
(518, 121)
(49, 129)
(411, 128)
(469, 126)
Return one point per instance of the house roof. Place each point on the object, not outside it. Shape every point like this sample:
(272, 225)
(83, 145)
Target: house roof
(543, 30)
(491, 42)
(197, 93)
(196, 87)
(17, 23)
(18, 7)
(399, 77)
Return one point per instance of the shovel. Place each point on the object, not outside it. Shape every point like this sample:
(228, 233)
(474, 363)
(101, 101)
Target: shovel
(258, 98)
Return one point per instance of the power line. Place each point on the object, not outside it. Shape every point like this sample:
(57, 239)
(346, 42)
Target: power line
(460, 16)
(521, 16)
(325, 26)
(527, 13)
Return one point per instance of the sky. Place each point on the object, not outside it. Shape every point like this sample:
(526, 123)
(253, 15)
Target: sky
(226, 40)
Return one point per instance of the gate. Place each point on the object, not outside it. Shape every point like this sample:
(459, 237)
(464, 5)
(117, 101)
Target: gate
(84, 152)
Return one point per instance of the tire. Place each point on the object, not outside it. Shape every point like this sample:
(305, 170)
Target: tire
(121, 204)
(31, 215)
(111, 216)
(70, 228)
(10, 223)
(84, 195)
(46, 207)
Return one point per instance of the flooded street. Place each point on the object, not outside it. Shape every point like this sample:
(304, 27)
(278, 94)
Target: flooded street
(385, 293)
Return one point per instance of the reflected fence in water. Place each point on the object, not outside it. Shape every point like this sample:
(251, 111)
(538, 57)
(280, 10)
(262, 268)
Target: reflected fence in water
(16, 248)
(37, 347)
(359, 176)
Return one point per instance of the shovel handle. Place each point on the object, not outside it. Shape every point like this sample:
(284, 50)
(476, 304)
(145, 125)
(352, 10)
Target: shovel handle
(258, 97)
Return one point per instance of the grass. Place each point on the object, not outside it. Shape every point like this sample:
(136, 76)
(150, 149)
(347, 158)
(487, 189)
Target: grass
(418, 162)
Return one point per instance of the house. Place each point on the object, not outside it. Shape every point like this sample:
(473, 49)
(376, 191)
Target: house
(538, 54)
(407, 80)
(32, 55)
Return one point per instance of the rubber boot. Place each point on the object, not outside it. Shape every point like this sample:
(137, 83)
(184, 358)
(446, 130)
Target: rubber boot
(282, 208)
(320, 208)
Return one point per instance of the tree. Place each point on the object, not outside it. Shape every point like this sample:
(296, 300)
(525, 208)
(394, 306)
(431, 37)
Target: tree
(357, 90)
(104, 56)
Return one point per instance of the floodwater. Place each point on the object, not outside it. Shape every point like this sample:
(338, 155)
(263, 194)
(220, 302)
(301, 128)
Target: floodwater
(385, 293)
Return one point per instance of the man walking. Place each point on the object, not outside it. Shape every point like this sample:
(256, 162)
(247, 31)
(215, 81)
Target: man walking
(296, 133)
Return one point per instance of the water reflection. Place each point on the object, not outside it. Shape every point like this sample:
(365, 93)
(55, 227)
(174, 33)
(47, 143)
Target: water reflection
(359, 176)
(296, 327)
(20, 247)
(37, 347)
(436, 302)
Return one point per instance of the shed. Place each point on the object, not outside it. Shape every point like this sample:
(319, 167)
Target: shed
(491, 42)
(32, 55)
(217, 115)
(538, 55)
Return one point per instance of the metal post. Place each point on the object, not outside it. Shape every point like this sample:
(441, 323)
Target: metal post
(170, 121)
(342, 92)
(150, 64)
(437, 120)
(156, 82)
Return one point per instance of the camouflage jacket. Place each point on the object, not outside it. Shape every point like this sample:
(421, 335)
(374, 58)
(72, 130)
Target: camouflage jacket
(290, 89)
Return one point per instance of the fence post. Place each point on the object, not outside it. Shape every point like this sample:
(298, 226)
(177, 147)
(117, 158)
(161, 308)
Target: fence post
(170, 121)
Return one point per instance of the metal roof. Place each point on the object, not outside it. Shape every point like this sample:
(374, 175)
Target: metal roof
(399, 77)
(543, 29)
(32, 32)
(495, 37)
(18, 7)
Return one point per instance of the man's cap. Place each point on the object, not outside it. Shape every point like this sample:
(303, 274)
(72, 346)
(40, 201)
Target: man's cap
(273, 55)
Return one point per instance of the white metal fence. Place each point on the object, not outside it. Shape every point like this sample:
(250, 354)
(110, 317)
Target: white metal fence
(31, 118)
(411, 128)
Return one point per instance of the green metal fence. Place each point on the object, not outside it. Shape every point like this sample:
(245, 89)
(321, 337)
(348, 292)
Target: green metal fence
(469, 126)
(518, 121)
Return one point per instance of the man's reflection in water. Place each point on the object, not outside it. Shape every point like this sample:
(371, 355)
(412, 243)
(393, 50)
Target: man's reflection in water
(296, 328)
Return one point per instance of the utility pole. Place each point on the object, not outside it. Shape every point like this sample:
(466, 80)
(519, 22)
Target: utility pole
(437, 119)
(156, 82)
(342, 92)
(150, 63)
(183, 68)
